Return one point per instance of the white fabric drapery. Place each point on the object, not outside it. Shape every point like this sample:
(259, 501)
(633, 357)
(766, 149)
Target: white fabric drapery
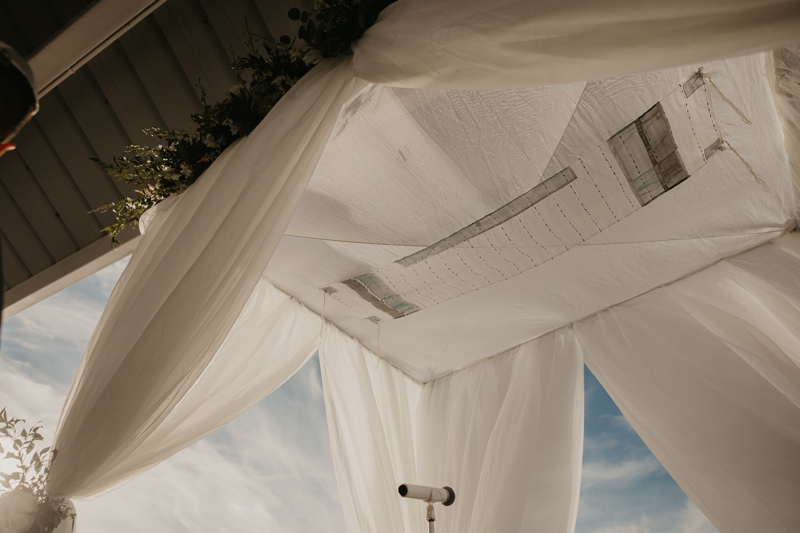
(506, 434)
(472, 44)
(162, 335)
(787, 99)
(707, 371)
(193, 334)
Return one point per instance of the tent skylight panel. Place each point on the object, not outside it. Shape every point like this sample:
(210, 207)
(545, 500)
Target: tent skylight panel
(648, 157)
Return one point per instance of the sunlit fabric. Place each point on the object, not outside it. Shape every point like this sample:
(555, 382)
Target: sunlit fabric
(457, 44)
(507, 432)
(467, 248)
(162, 337)
(707, 371)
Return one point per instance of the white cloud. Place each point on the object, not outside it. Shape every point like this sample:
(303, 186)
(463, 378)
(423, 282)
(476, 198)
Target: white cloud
(29, 399)
(51, 336)
(269, 470)
(54, 322)
(107, 278)
(200, 490)
(641, 526)
(626, 471)
(619, 422)
(688, 520)
(692, 520)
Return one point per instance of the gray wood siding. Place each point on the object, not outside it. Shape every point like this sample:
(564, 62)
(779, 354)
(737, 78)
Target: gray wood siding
(149, 77)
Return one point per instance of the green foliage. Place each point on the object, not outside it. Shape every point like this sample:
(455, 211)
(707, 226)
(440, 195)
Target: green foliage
(21, 445)
(268, 70)
(32, 464)
(334, 24)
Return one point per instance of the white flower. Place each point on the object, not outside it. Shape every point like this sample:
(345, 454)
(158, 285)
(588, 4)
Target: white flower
(185, 170)
(229, 122)
(312, 57)
(294, 53)
(65, 508)
(209, 141)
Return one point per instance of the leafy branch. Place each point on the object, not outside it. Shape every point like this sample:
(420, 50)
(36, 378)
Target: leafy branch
(25, 504)
(268, 70)
(32, 465)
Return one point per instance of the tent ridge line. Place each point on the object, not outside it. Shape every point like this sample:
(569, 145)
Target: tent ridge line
(571, 324)
(780, 232)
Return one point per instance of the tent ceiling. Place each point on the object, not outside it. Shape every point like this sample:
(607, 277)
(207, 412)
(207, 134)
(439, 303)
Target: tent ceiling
(407, 168)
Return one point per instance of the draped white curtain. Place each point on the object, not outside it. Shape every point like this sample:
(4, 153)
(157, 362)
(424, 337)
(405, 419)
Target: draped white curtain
(506, 434)
(160, 337)
(474, 44)
(707, 371)
(786, 85)
(371, 407)
(193, 335)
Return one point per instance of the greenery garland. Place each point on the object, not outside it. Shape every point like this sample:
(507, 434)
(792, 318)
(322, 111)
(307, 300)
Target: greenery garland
(25, 506)
(265, 74)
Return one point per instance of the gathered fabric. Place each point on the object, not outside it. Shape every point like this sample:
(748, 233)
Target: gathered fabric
(198, 329)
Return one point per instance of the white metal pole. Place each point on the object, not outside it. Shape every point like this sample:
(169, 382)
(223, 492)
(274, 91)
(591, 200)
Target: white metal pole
(431, 518)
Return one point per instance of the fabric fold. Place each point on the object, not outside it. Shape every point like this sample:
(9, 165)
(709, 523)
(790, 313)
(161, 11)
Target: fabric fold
(162, 333)
(707, 371)
(506, 434)
(473, 44)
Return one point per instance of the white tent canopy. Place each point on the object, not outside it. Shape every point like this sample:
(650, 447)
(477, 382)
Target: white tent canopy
(473, 219)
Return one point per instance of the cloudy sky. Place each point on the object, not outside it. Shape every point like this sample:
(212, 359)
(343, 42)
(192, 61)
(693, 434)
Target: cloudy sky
(271, 468)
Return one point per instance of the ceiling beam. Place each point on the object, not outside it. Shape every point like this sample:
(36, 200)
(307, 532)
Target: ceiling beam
(87, 35)
(66, 272)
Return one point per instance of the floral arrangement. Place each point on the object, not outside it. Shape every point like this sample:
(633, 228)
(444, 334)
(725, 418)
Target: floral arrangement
(25, 506)
(264, 75)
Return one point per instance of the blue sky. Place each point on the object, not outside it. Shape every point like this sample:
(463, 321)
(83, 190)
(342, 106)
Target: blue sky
(271, 468)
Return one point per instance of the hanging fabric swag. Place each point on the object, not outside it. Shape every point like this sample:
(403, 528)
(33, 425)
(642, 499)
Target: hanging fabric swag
(193, 334)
